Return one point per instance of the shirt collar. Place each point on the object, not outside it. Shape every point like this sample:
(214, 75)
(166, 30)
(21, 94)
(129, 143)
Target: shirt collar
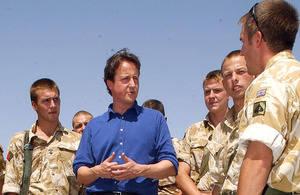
(284, 54)
(207, 122)
(32, 130)
(112, 114)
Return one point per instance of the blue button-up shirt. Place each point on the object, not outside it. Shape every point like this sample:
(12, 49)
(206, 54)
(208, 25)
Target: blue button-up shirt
(141, 133)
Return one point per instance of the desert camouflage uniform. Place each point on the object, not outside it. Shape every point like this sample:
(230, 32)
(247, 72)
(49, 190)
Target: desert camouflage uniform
(2, 164)
(168, 185)
(52, 161)
(194, 150)
(271, 116)
(222, 147)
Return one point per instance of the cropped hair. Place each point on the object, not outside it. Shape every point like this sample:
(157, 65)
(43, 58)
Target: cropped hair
(81, 112)
(213, 75)
(155, 105)
(43, 83)
(114, 62)
(278, 22)
(232, 54)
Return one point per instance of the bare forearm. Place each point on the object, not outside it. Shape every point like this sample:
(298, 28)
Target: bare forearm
(159, 170)
(186, 184)
(253, 177)
(184, 181)
(86, 175)
(255, 169)
(216, 190)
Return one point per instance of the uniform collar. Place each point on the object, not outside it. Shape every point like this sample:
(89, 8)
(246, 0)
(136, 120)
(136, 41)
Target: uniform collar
(286, 54)
(32, 130)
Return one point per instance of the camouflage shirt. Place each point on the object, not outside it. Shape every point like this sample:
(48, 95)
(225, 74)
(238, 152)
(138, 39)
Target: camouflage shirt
(2, 164)
(222, 147)
(168, 185)
(194, 150)
(271, 116)
(52, 161)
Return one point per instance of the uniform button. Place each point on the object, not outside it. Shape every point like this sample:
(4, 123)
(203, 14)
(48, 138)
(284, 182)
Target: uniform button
(122, 117)
(115, 182)
(121, 143)
(120, 157)
(51, 152)
(121, 129)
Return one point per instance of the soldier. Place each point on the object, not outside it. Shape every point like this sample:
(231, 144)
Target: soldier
(80, 120)
(268, 152)
(193, 155)
(167, 185)
(224, 140)
(53, 148)
(2, 169)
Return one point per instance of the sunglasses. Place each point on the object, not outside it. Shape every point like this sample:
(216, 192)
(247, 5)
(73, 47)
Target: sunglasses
(252, 11)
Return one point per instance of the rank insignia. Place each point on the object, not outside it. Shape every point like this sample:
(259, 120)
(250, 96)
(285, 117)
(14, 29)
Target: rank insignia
(259, 108)
(10, 155)
(261, 93)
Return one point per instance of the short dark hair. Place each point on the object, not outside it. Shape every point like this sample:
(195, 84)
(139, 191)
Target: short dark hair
(155, 105)
(278, 22)
(43, 83)
(114, 61)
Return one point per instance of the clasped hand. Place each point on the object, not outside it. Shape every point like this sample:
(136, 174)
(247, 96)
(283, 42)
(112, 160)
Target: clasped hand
(108, 169)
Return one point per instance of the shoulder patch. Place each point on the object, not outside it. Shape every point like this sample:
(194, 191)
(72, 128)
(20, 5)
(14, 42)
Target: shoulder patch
(259, 108)
(10, 155)
(261, 92)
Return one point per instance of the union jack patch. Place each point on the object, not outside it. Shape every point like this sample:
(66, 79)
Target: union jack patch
(261, 93)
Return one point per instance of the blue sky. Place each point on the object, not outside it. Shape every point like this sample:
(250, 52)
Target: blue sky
(178, 43)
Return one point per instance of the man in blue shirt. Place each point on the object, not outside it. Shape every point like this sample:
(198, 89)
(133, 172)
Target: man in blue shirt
(125, 150)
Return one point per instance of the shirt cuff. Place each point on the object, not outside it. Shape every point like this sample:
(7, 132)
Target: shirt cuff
(11, 188)
(266, 135)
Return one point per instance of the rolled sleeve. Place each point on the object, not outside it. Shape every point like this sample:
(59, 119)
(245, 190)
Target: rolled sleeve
(266, 135)
(11, 188)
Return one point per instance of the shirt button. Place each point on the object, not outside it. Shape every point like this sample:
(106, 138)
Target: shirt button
(122, 117)
(115, 182)
(121, 129)
(120, 157)
(121, 143)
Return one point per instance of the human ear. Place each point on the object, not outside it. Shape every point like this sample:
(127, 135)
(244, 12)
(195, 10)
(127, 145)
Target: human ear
(34, 105)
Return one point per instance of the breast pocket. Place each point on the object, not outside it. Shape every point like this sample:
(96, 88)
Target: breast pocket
(66, 156)
(197, 153)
